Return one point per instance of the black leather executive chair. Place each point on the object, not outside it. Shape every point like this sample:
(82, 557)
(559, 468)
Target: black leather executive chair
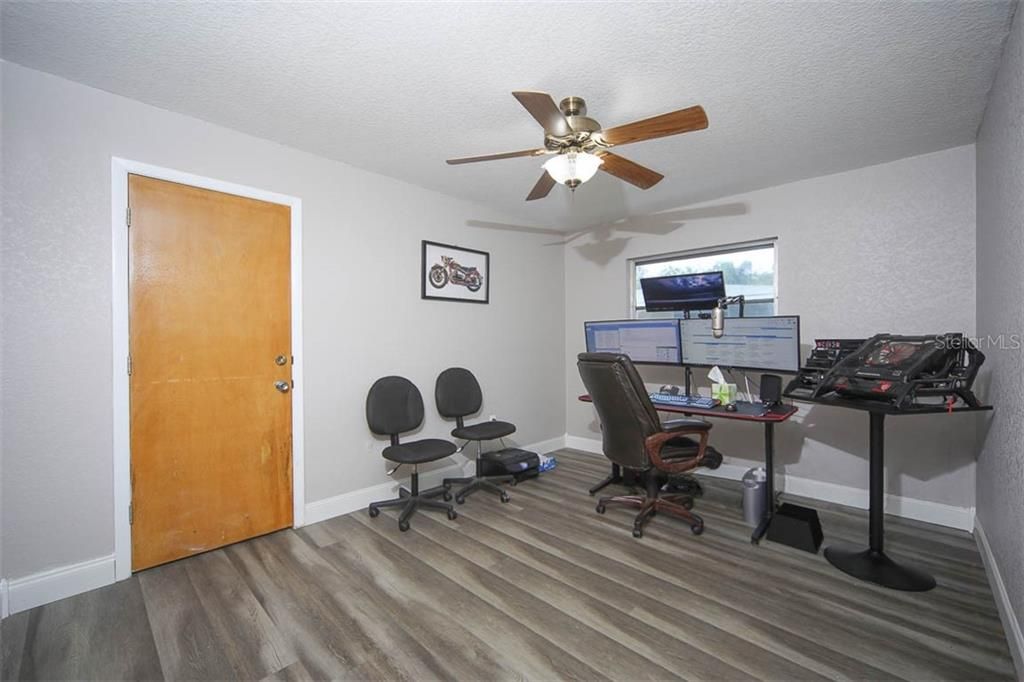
(458, 395)
(636, 439)
(393, 406)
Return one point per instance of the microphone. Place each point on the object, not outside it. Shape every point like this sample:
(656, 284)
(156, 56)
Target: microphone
(718, 321)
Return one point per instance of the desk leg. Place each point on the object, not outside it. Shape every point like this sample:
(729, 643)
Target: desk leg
(769, 468)
(873, 564)
(615, 477)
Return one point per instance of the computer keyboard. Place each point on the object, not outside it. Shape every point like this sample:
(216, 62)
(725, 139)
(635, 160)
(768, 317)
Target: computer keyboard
(683, 400)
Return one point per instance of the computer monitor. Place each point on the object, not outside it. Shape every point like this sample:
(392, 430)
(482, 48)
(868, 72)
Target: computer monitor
(694, 291)
(769, 344)
(652, 342)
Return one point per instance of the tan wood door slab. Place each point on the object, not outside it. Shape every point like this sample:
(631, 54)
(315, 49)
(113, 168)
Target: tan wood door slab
(209, 311)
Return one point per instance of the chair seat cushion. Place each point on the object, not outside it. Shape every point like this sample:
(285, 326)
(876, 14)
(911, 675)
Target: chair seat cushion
(686, 448)
(419, 451)
(485, 431)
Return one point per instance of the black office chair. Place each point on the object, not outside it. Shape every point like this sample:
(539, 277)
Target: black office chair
(393, 406)
(458, 395)
(636, 439)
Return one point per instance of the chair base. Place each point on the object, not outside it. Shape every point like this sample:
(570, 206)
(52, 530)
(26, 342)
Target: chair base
(412, 500)
(473, 483)
(651, 503)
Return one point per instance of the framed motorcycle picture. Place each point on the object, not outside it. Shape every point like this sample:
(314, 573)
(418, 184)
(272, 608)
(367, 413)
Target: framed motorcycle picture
(454, 273)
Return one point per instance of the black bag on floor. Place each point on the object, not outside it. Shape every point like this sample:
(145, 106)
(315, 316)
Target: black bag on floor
(513, 462)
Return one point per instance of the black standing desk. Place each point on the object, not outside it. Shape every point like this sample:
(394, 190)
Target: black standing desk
(873, 564)
(770, 418)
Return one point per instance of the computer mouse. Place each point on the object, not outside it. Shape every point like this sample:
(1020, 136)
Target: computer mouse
(730, 407)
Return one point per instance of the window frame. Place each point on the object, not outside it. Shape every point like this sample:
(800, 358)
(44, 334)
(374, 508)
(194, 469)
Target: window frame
(714, 250)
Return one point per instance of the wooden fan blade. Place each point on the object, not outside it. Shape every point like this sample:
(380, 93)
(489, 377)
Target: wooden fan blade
(542, 188)
(495, 157)
(682, 121)
(631, 172)
(543, 108)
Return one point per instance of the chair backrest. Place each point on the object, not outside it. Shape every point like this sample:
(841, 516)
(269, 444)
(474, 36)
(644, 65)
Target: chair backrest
(457, 393)
(393, 406)
(623, 407)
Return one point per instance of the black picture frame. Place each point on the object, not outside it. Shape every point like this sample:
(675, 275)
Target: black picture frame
(437, 276)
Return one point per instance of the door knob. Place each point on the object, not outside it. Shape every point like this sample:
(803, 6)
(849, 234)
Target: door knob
(282, 386)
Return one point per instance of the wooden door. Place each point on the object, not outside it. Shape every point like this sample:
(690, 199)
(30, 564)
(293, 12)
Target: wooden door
(209, 337)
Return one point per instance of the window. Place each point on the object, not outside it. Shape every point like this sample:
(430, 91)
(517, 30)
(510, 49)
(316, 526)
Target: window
(749, 271)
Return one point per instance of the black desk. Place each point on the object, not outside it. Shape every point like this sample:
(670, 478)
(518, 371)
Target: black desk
(770, 418)
(873, 564)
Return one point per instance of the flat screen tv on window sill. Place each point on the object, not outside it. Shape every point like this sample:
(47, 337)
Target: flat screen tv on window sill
(694, 291)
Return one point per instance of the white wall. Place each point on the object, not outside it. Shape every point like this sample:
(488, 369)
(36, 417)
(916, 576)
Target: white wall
(1001, 313)
(888, 248)
(363, 313)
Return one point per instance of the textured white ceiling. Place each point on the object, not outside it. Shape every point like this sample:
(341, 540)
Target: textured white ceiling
(792, 90)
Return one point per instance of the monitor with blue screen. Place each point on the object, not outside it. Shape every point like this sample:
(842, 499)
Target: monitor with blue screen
(691, 291)
(654, 342)
(768, 344)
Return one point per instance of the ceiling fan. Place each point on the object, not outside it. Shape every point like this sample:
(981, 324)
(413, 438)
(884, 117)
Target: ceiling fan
(578, 146)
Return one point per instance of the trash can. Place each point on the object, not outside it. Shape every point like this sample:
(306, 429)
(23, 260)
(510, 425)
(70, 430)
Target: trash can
(755, 496)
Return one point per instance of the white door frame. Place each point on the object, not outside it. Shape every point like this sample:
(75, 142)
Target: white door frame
(120, 170)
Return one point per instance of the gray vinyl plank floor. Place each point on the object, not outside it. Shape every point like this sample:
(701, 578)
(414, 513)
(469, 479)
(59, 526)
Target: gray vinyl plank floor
(539, 588)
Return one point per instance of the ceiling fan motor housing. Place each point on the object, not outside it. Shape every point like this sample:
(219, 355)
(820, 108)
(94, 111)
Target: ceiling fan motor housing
(581, 125)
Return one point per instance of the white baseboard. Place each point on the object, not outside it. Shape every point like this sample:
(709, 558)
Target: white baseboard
(5, 609)
(961, 518)
(1011, 623)
(328, 508)
(591, 445)
(546, 446)
(58, 583)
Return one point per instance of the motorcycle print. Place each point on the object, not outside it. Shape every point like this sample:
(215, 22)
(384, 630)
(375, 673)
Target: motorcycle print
(454, 273)
(449, 271)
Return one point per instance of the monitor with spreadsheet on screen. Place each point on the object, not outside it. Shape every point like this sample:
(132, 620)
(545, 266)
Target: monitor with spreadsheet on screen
(644, 341)
(769, 344)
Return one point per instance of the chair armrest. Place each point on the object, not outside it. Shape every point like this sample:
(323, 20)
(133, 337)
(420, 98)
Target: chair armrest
(691, 423)
(655, 442)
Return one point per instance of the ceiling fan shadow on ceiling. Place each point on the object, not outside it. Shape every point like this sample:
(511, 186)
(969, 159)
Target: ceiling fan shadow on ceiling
(578, 146)
(653, 224)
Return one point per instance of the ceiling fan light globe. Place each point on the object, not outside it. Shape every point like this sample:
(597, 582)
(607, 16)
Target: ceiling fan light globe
(573, 167)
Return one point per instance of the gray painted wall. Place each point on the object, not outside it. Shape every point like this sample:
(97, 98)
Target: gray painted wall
(1000, 158)
(363, 313)
(888, 248)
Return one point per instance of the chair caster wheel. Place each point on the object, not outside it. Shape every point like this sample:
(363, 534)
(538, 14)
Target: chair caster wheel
(373, 512)
(638, 532)
(403, 526)
(459, 499)
(447, 496)
(697, 528)
(504, 498)
(452, 515)
(600, 508)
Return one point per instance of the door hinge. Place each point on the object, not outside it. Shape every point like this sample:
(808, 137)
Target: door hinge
(129, 365)
(131, 514)
(128, 216)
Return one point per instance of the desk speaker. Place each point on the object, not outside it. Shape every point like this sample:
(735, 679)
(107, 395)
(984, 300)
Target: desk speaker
(771, 389)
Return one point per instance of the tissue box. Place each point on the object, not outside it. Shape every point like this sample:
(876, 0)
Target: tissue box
(724, 393)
